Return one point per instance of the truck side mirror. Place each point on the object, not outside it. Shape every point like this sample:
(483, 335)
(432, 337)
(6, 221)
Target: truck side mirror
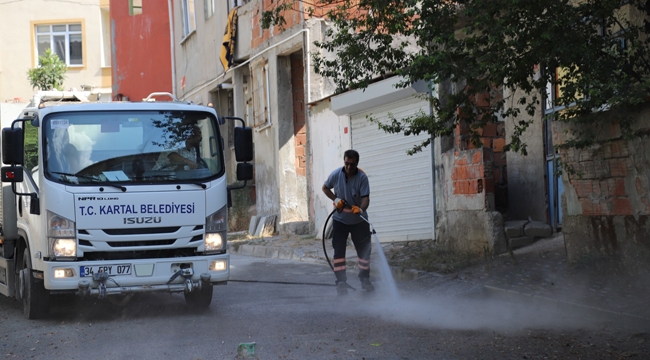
(244, 171)
(12, 146)
(34, 205)
(243, 144)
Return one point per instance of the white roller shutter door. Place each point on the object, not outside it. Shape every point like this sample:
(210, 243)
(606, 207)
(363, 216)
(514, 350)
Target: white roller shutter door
(401, 186)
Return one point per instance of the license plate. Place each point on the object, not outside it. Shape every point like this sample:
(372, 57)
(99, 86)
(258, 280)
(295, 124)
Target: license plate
(111, 270)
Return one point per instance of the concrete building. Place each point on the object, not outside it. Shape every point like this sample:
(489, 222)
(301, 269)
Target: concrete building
(264, 83)
(452, 191)
(76, 31)
(300, 131)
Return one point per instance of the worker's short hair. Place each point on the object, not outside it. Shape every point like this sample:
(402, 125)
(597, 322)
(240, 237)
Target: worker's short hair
(351, 154)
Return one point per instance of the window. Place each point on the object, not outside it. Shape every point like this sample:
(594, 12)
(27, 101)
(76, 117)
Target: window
(189, 21)
(64, 39)
(208, 8)
(260, 95)
(135, 7)
(141, 147)
(554, 185)
(233, 3)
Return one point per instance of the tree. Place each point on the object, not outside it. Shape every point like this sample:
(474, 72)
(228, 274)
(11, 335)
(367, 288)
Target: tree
(50, 72)
(595, 52)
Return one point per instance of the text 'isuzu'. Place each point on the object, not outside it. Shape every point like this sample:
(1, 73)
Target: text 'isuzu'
(110, 199)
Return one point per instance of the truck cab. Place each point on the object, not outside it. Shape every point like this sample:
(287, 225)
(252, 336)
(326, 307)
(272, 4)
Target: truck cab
(116, 198)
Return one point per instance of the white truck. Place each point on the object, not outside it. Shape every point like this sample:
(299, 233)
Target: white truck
(116, 198)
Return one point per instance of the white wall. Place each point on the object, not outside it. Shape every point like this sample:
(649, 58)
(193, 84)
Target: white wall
(10, 112)
(328, 141)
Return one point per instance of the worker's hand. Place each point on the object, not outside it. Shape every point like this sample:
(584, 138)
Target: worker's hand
(339, 204)
(357, 210)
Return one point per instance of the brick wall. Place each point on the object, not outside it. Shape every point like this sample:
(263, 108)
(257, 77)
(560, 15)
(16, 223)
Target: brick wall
(598, 176)
(473, 178)
(482, 172)
(606, 202)
(472, 172)
(292, 17)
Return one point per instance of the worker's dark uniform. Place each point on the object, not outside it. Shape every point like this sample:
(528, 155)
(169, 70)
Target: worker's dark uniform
(352, 190)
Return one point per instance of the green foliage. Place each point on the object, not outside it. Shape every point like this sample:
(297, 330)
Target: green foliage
(31, 146)
(483, 47)
(49, 74)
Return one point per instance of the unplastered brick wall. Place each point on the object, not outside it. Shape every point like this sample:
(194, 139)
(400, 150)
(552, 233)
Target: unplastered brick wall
(471, 174)
(291, 17)
(485, 170)
(601, 175)
(606, 202)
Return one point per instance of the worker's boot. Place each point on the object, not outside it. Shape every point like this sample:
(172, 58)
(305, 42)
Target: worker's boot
(342, 287)
(366, 284)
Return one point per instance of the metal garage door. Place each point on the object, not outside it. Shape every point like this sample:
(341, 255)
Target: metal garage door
(401, 186)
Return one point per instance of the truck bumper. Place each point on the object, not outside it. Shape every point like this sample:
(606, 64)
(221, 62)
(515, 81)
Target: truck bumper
(181, 274)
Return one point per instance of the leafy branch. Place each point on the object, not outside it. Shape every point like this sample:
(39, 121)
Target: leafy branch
(595, 54)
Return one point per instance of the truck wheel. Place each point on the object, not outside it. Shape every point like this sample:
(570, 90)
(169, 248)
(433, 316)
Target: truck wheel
(200, 299)
(35, 298)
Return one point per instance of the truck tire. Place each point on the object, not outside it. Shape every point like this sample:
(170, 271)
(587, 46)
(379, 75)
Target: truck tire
(32, 291)
(200, 299)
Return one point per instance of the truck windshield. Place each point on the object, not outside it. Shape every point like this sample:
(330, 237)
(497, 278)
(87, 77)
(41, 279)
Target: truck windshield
(131, 147)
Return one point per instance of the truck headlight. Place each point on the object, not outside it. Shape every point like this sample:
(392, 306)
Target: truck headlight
(63, 248)
(213, 241)
(61, 237)
(215, 231)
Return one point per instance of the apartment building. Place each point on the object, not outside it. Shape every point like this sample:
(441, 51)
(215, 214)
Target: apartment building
(78, 32)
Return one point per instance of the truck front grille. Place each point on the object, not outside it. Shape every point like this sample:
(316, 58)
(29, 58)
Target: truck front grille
(139, 243)
(144, 254)
(138, 231)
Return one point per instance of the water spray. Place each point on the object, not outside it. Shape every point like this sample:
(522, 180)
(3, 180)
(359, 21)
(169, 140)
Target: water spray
(392, 287)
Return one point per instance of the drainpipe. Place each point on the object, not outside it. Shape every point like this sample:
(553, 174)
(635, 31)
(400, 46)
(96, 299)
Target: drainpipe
(433, 93)
(171, 40)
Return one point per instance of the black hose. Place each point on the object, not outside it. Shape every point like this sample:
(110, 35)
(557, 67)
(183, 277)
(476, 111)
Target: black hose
(324, 249)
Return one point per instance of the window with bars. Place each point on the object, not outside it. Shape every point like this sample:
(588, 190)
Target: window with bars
(65, 40)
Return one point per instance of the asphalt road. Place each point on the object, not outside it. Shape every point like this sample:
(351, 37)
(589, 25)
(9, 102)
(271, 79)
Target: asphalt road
(290, 310)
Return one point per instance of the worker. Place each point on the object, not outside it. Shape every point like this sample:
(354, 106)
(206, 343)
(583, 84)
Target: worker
(186, 155)
(351, 198)
(71, 157)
